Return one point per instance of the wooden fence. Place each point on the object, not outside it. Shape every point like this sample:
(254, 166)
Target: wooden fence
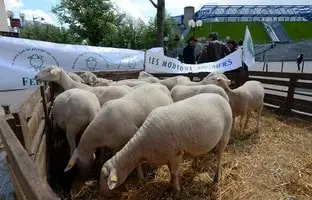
(288, 91)
(27, 134)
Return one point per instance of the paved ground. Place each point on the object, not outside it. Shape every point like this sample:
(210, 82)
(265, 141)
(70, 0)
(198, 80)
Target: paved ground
(288, 67)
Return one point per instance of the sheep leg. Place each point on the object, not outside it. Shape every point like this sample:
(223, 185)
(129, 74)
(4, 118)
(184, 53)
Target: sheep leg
(140, 173)
(247, 119)
(174, 167)
(242, 120)
(71, 133)
(259, 112)
(220, 148)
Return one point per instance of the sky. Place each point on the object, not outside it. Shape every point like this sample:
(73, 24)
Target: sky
(137, 8)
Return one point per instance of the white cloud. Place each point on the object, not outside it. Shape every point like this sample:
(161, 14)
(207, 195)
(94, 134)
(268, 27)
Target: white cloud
(48, 17)
(13, 4)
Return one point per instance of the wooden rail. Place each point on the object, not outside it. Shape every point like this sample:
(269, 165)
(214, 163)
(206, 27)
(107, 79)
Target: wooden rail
(289, 99)
(24, 131)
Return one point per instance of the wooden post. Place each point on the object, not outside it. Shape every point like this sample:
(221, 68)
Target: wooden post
(291, 93)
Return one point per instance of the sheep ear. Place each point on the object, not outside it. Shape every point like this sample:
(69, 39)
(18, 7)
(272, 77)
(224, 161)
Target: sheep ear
(112, 180)
(55, 71)
(219, 79)
(71, 162)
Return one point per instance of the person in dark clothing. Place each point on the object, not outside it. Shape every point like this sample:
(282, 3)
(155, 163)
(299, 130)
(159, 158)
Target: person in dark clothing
(214, 50)
(231, 44)
(240, 43)
(188, 51)
(299, 60)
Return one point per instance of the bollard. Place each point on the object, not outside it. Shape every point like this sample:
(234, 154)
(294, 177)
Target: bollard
(267, 67)
(282, 68)
(263, 66)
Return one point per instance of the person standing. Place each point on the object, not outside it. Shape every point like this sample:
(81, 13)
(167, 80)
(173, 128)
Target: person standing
(213, 50)
(299, 60)
(188, 51)
(232, 45)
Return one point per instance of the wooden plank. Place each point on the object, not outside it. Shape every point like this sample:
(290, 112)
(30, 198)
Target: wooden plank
(276, 90)
(274, 101)
(34, 121)
(37, 139)
(27, 105)
(17, 187)
(22, 128)
(303, 105)
(40, 158)
(271, 81)
(33, 187)
(291, 93)
(304, 85)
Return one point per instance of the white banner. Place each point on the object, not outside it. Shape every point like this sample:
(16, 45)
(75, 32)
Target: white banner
(21, 59)
(159, 63)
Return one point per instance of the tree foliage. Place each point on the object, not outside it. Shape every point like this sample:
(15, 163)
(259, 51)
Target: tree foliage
(48, 32)
(91, 19)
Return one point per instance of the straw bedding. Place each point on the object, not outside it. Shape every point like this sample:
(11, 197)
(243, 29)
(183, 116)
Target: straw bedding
(275, 164)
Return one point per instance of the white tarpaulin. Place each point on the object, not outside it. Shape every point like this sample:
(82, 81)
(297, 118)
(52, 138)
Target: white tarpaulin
(21, 59)
(159, 63)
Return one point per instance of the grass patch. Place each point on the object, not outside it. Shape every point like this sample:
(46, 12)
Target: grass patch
(273, 164)
(298, 30)
(236, 31)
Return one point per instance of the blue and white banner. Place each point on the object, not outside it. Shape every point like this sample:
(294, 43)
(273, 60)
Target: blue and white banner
(21, 59)
(159, 63)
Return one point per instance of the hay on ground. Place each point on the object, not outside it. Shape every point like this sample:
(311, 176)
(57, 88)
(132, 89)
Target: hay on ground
(275, 164)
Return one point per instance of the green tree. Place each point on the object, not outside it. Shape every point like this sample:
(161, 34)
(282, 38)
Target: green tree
(48, 32)
(94, 20)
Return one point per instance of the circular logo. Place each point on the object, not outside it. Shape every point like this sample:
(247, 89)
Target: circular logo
(34, 58)
(90, 61)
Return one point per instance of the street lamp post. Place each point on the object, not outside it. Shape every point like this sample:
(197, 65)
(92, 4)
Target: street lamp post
(195, 24)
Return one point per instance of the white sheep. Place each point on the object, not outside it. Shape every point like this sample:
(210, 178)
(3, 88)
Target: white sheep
(244, 99)
(211, 78)
(88, 77)
(103, 93)
(129, 82)
(75, 77)
(72, 111)
(181, 92)
(91, 79)
(176, 80)
(192, 126)
(117, 121)
(144, 76)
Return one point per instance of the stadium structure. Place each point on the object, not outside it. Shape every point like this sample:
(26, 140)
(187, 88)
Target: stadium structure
(281, 31)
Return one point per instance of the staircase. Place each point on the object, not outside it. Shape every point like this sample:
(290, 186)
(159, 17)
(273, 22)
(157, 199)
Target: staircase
(269, 30)
(280, 32)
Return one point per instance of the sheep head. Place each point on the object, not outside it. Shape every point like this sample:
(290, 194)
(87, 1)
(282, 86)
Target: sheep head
(222, 82)
(89, 78)
(84, 162)
(49, 73)
(213, 76)
(110, 179)
(102, 82)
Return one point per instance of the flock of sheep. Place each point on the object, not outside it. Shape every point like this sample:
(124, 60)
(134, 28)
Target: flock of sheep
(148, 120)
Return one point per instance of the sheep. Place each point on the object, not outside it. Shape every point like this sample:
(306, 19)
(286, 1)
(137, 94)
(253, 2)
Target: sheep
(243, 100)
(103, 93)
(75, 77)
(72, 111)
(93, 80)
(181, 92)
(176, 80)
(88, 77)
(102, 82)
(209, 79)
(192, 126)
(129, 82)
(144, 76)
(117, 121)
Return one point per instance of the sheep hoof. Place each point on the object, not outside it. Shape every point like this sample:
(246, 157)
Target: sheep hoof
(176, 194)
